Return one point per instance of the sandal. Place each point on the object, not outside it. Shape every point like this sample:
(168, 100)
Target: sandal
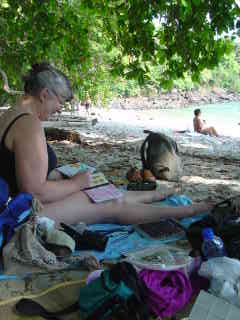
(134, 175)
(142, 186)
(148, 176)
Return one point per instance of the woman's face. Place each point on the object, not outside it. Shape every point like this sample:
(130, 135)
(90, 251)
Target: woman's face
(51, 103)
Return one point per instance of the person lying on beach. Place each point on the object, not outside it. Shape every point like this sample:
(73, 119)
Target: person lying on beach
(200, 125)
(27, 160)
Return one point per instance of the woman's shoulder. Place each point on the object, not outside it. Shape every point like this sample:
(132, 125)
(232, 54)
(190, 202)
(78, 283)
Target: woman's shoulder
(13, 114)
(8, 116)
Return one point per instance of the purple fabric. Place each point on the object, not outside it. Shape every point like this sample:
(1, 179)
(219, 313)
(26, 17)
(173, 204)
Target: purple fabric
(199, 283)
(169, 291)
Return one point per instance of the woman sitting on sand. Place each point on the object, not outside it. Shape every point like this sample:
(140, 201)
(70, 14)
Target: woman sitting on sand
(200, 125)
(27, 160)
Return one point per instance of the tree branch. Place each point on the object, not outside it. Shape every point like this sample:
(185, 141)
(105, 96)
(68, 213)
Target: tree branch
(6, 86)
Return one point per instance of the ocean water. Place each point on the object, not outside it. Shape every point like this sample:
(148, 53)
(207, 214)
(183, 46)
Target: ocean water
(225, 117)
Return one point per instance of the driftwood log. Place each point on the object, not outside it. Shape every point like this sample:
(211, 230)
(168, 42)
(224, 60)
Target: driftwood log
(56, 134)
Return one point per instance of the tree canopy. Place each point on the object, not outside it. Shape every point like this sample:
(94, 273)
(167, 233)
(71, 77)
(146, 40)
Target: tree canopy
(95, 40)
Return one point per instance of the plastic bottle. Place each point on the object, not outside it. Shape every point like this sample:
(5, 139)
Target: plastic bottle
(212, 245)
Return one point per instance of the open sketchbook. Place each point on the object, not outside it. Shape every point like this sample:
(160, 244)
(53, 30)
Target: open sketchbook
(103, 193)
(100, 189)
(70, 170)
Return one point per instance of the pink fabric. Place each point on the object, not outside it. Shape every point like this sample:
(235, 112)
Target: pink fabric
(169, 291)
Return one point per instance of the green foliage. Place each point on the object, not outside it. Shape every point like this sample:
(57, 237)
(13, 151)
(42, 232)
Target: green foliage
(95, 41)
(225, 75)
(51, 31)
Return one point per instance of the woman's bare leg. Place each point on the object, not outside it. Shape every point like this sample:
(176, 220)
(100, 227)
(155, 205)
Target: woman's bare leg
(211, 131)
(214, 132)
(206, 131)
(149, 196)
(78, 208)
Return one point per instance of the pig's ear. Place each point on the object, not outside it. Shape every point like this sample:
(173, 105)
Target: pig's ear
(6, 86)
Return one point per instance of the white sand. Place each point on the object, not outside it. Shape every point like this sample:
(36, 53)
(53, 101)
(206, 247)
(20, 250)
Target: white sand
(129, 125)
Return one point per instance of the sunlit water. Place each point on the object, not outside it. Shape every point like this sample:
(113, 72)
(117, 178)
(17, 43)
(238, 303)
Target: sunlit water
(224, 117)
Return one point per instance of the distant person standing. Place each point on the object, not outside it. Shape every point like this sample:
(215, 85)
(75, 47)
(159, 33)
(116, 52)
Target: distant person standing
(200, 125)
(87, 104)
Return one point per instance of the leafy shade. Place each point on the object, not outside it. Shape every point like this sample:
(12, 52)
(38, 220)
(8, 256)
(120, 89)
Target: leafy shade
(187, 38)
(94, 40)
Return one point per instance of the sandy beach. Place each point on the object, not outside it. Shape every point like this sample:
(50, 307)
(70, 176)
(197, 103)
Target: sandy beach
(128, 125)
(110, 141)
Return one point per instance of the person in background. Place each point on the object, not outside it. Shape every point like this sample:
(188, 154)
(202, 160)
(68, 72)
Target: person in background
(200, 126)
(27, 161)
(87, 104)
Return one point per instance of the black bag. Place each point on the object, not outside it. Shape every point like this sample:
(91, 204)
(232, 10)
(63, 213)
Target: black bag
(160, 154)
(224, 219)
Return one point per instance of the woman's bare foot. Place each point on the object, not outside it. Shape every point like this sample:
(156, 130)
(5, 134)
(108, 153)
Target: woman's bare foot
(163, 194)
(204, 206)
(149, 196)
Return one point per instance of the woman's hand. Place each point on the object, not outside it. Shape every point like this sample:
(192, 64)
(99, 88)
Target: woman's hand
(55, 175)
(82, 179)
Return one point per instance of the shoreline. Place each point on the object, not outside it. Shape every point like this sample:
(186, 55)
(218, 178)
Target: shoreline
(190, 143)
(112, 142)
(176, 99)
(211, 165)
(125, 128)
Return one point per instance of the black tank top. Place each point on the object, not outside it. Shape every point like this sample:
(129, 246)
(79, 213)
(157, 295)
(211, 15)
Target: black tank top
(7, 167)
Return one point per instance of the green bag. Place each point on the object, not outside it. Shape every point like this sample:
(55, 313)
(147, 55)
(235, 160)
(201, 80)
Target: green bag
(103, 293)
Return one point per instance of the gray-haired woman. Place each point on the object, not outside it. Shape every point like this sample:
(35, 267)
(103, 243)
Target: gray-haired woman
(27, 160)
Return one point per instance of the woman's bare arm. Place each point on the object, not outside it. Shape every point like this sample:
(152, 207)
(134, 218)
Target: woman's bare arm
(198, 125)
(31, 160)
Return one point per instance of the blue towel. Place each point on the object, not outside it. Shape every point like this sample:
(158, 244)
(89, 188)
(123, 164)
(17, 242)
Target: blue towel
(181, 200)
(123, 239)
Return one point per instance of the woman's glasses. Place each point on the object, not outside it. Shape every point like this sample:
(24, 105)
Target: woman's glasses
(62, 101)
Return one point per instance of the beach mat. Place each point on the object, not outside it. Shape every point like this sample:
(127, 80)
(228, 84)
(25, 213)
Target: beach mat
(54, 298)
(60, 296)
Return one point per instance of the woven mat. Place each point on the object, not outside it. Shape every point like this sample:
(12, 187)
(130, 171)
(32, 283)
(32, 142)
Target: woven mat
(53, 291)
(62, 292)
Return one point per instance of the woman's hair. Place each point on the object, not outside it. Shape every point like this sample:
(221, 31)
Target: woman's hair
(197, 112)
(43, 75)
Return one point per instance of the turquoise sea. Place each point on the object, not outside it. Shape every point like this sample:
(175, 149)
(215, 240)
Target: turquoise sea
(224, 116)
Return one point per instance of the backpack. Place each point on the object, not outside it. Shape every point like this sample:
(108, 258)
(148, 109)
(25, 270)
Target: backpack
(224, 219)
(160, 154)
(13, 212)
(118, 293)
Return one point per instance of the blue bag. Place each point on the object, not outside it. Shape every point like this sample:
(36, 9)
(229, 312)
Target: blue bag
(4, 194)
(13, 212)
